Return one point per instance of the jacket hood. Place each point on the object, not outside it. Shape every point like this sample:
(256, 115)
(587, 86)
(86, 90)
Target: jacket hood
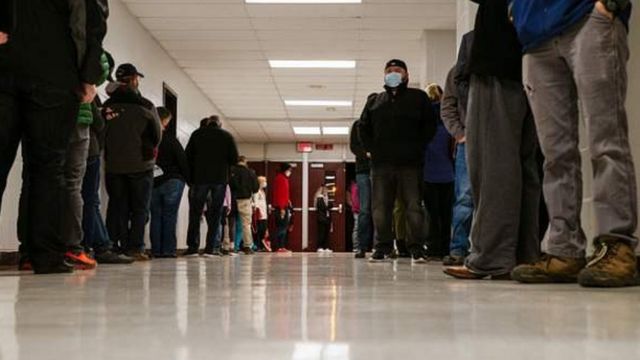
(125, 95)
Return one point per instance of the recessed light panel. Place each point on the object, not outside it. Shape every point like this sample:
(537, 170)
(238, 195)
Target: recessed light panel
(312, 64)
(336, 103)
(306, 130)
(335, 130)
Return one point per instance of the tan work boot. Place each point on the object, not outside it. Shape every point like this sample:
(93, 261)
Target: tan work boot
(614, 264)
(549, 269)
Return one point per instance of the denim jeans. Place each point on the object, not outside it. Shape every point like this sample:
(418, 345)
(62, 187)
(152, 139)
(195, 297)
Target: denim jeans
(282, 229)
(463, 206)
(365, 220)
(165, 203)
(95, 231)
(405, 183)
(211, 195)
(129, 199)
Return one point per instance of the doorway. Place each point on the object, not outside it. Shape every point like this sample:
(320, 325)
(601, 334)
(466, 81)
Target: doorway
(170, 100)
(334, 176)
(294, 242)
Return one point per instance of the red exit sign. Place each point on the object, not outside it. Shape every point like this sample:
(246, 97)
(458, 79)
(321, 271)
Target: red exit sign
(304, 147)
(324, 147)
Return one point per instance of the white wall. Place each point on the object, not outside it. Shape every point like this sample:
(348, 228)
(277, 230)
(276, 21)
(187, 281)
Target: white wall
(128, 41)
(439, 49)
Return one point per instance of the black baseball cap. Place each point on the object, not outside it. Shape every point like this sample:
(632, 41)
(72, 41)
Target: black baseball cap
(127, 70)
(398, 63)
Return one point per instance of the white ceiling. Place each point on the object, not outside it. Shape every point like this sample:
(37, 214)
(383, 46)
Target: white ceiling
(225, 45)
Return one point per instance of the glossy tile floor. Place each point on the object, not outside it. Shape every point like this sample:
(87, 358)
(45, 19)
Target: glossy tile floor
(306, 307)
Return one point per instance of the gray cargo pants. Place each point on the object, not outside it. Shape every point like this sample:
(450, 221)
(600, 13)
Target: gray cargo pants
(501, 157)
(584, 71)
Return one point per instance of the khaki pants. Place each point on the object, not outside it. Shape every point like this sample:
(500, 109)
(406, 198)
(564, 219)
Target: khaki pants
(584, 67)
(244, 209)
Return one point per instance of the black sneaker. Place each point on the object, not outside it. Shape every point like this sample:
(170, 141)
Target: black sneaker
(191, 253)
(418, 258)
(361, 254)
(379, 256)
(109, 257)
(247, 251)
(62, 267)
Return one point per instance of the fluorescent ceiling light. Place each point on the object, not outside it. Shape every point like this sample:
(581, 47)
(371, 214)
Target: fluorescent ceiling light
(332, 103)
(303, 1)
(306, 130)
(335, 130)
(312, 64)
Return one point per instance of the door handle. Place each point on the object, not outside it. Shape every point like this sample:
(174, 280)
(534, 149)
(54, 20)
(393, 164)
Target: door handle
(338, 209)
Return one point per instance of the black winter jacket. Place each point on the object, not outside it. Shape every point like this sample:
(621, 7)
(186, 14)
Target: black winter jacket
(244, 182)
(211, 152)
(133, 132)
(53, 42)
(496, 50)
(395, 128)
(172, 160)
(363, 165)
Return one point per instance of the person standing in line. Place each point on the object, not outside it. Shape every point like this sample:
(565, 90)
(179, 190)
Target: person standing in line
(260, 207)
(501, 151)
(353, 200)
(363, 180)
(453, 111)
(244, 183)
(40, 98)
(282, 207)
(96, 238)
(323, 217)
(133, 133)
(170, 175)
(395, 127)
(211, 152)
(438, 183)
(580, 57)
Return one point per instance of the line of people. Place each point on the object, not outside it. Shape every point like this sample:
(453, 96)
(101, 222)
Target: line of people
(501, 107)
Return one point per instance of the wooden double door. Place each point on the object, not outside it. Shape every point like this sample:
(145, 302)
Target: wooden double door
(319, 173)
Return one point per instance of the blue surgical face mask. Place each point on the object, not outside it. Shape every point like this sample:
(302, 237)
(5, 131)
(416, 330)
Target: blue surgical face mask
(393, 80)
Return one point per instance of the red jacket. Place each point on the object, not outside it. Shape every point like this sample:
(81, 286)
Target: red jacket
(281, 192)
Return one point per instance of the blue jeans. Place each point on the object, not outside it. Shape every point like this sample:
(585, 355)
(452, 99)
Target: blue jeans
(211, 195)
(365, 221)
(95, 232)
(463, 207)
(165, 203)
(282, 229)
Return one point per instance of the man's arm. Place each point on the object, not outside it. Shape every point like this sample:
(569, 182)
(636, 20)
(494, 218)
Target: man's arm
(354, 141)
(233, 151)
(365, 130)
(181, 158)
(430, 120)
(449, 108)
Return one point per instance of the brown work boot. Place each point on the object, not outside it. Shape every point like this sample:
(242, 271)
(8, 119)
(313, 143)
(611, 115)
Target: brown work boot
(614, 264)
(549, 269)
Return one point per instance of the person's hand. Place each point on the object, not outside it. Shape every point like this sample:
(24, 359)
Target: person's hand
(604, 11)
(283, 213)
(87, 93)
(461, 139)
(4, 38)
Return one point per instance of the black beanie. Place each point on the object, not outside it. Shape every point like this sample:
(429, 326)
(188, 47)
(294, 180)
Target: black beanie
(398, 63)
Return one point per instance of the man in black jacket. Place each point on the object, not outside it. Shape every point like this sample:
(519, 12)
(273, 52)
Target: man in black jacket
(244, 183)
(211, 152)
(133, 133)
(501, 151)
(363, 179)
(170, 175)
(39, 101)
(395, 127)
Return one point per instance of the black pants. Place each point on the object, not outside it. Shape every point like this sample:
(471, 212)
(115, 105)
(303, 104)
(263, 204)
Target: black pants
(261, 232)
(43, 118)
(128, 211)
(438, 199)
(405, 182)
(323, 235)
(211, 196)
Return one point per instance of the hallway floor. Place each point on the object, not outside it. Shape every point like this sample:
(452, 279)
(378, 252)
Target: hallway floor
(306, 307)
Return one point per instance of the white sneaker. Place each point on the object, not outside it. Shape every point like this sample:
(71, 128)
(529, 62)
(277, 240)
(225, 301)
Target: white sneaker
(320, 251)
(328, 251)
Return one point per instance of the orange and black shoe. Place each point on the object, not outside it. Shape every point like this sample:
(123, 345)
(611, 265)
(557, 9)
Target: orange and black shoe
(81, 261)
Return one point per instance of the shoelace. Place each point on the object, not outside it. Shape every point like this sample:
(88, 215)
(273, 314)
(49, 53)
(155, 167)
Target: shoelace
(604, 253)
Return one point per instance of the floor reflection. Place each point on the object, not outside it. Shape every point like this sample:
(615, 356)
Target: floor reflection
(305, 307)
